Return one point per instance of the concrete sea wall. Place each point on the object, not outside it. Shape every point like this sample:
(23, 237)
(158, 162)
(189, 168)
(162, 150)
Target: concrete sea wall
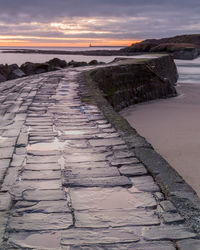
(137, 80)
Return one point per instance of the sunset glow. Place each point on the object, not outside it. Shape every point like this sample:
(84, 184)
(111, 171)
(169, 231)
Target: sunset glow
(23, 43)
(68, 32)
(106, 22)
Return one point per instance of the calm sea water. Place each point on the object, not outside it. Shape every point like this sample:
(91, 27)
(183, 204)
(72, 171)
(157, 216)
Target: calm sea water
(19, 59)
(189, 71)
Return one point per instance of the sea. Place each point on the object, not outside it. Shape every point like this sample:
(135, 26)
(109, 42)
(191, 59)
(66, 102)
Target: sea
(10, 58)
(188, 69)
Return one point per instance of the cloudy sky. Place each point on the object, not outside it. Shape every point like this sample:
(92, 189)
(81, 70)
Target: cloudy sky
(102, 22)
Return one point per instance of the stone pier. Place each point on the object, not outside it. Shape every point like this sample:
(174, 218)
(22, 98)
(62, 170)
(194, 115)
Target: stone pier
(69, 180)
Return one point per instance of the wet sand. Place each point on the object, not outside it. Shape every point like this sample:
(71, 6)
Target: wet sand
(172, 126)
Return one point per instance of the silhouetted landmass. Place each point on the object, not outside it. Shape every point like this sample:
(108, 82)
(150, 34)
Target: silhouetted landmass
(181, 47)
(186, 47)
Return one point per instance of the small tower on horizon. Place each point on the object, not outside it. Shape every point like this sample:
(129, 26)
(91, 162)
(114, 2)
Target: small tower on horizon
(90, 45)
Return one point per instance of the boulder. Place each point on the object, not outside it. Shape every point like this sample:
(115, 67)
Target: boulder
(4, 70)
(2, 78)
(13, 67)
(93, 62)
(34, 68)
(15, 72)
(56, 63)
(77, 64)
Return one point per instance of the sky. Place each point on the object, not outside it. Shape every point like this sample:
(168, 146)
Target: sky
(101, 22)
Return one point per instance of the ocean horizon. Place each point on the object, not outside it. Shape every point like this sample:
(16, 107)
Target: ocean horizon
(17, 58)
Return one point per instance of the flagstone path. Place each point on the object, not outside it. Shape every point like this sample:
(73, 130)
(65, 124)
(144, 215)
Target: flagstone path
(69, 181)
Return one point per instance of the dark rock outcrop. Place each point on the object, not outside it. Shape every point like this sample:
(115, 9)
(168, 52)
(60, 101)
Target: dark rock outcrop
(185, 47)
(178, 50)
(193, 39)
(132, 81)
(189, 53)
(139, 47)
(13, 71)
(77, 64)
(2, 78)
(4, 70)
(56, 63)
(34, 68)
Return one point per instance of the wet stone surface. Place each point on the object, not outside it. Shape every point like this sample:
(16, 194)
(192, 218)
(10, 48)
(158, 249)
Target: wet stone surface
(68, 180)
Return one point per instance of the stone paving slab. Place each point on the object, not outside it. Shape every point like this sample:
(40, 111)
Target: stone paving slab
(73, 172)
(115, 218)
(167, 233)
(110, 198)
(136, 246)
(74, 237)
(43, 195)
(41, 221)
(189, 244)
(69, 180)
(5, 201)
(45, 207)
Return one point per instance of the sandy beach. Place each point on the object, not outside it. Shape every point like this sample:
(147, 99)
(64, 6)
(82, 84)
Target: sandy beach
(172, 126)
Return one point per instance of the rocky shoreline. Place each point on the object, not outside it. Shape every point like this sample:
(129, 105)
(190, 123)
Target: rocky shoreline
(13, 71)
(64, 52)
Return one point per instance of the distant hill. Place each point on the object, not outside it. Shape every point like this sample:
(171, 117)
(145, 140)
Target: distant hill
(191, 39)
(180, 47)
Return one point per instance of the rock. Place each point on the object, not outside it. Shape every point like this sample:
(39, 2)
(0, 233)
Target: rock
(2, 78)
(13, 67)
(56, 63)
(93, 62)
(77, 64)
(193, 39)
(138, 47)
(17, 73)
(186, 54)
(4, 70)
(34, 68)
(167, 206)
(179, 50)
